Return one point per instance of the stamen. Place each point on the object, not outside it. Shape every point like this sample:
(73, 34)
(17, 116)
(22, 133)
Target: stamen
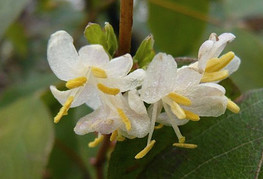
(124, 119)
(214, 76)
(142, 153)
(114, 135)
(183, 145)
(178, 111)
(216, 64)
(181, 140)
(64, 110)
(159, 126)
(108, 90)
(77, 82)
(191, 116)
(96, 141)
(232, 106)
(180, 99)
(98, 72)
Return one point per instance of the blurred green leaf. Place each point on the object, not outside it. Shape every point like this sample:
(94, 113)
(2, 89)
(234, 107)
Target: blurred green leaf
(145, 52)
(9, 10)
(177, 26)
(29, 86)
(232, 91)
(228, 147)
(112, 43)
(26, 139)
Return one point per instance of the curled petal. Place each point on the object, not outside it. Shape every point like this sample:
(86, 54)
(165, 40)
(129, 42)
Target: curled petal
(233, 65)
(160, 78)
(99, 121)
(208, 99)
(212, 48)
(135, 102)
(86, 94)
(62, 56)
(93, 55)
(119, 67)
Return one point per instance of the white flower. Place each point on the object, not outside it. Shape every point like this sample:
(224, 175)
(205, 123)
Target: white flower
(88, 71)
(213, 67)
(117, 115)
(181, 95)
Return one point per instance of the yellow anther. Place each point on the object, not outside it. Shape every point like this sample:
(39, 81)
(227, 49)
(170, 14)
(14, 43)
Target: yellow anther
(98, 72)
(191, 116)
(159, 126)
(181, 140)
(180, 99)
(183, 145)
(96, 141)
(114, 135)
(216, 64)
(214, 76)
(232, 106)
(77, 82)
(124, 119)
(178, 111)
(108, 90)
(64, 110)
(142, 153)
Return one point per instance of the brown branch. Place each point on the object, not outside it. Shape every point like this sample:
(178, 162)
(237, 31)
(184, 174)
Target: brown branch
(125, 30)
(101, 156)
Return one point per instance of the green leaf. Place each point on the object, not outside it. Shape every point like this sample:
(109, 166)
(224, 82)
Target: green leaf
(228, 147)
(105, 37)
(112, 42)
(95, 35)
(145, 52)
(26, 139)
(177, 26)
(9, 10)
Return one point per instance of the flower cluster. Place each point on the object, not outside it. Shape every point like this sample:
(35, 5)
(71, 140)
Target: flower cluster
(118, 96)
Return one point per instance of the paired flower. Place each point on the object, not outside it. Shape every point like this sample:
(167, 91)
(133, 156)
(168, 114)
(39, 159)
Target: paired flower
(107, 86)
(87, 72)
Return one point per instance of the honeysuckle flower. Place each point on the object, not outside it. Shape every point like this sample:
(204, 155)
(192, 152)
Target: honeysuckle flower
(213, 67)
(181, 95)
(117, 115)
(87, 72)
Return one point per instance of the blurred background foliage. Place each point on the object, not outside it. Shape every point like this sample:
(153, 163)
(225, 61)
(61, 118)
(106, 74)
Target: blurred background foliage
(26, 105)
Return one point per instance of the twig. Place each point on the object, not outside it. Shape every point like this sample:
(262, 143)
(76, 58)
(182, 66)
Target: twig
(125, 30)
(101, 156)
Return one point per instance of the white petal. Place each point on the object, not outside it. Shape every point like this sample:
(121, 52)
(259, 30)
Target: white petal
(62, 56)
(160, 78)
(233, 65)
(119, 67)
(163, 119)
(93, 55)
(129, 82)
(135, 102)
(99, 121)
(208, 99)
(204, 54)
(85, 96)
(212, 48)
(139, 125)
(186, 78)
